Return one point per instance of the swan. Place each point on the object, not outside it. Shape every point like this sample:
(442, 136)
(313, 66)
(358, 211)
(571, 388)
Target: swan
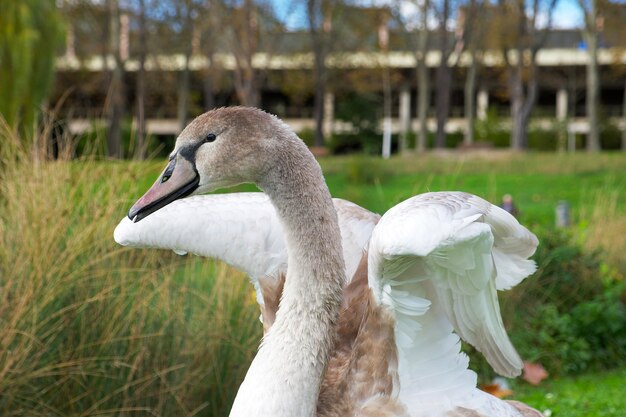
(460, 262)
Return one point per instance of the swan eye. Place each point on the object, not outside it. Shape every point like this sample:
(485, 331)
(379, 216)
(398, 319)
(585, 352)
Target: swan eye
(210, 137)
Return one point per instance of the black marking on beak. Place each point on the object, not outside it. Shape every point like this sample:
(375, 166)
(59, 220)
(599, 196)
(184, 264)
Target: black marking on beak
(136, 213)
(162, 193)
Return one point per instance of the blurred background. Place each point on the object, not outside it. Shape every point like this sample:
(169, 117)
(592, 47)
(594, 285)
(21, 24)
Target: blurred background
(380, 77)
(522, 102)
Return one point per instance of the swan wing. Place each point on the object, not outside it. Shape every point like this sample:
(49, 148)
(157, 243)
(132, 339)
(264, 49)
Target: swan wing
(449, 251)
(241, 229)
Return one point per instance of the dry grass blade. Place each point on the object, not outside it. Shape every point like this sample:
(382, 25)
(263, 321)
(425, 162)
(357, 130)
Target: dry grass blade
(87, 328)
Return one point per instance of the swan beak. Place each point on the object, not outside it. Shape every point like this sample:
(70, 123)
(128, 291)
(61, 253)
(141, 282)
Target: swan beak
(179, 179)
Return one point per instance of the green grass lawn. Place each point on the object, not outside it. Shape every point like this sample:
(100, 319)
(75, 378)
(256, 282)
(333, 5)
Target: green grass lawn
(537, 181)
(589, 395)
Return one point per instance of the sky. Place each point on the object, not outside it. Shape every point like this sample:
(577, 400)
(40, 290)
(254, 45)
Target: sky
(566, 15)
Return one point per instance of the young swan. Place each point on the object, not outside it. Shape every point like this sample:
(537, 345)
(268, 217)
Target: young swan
(229, 146)
(433, 258)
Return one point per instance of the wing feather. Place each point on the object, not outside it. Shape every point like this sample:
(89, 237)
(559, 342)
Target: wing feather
(241, 229)
(454, 250)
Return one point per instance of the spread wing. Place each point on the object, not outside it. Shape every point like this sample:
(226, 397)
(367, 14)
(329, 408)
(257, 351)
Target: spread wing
(446, 254)
(241, 229)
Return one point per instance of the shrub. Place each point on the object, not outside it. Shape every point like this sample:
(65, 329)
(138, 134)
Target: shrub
(367, 142)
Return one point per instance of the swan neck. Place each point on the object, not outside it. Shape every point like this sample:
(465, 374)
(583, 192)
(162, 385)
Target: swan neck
(285, 376)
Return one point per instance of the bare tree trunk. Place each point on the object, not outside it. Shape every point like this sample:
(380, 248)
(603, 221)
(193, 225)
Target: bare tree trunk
(423, 82)
(522, 101)
(444, 79)
(470, 100)
(140, 151)
(473, 34)
(244, 46)
(116, 101)
(593, 84)
(183, 94)
(524, 92)
(518, 128)
(319, 28)
(184, 77)
(207, 82)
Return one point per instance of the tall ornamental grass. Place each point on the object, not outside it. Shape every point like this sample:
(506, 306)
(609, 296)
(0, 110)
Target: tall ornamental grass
(88, 328)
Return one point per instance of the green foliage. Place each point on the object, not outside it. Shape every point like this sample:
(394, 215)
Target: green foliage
(368, 142)
(569, 316)
(611, 137)
(361, 111)
(93, 143)
(30, 32)
(308, 136)
(491, 130)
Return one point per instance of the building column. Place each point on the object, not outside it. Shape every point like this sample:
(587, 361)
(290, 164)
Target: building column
(329, 114)
(561, 104)
(482, 104)
(405, 117)
(563, 135)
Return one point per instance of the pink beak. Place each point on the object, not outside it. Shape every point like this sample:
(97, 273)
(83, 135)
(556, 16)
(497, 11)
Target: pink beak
(179, 179)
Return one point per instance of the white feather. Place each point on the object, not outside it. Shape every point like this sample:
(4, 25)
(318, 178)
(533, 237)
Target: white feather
(453, 250)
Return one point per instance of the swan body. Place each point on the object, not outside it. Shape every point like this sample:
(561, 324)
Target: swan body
(433, 266)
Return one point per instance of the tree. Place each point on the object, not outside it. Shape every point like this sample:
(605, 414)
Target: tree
(185, 11)
(416, 27)
(612, 15)
(590, 34)
(444, 73)
(116, 88)
(383, 41)
(423, 83)
(319, 14)
(211, 36)
(447, 47)
(474, 34)
(140, 150)
(30, 32)
(520, 37)
(242, 38)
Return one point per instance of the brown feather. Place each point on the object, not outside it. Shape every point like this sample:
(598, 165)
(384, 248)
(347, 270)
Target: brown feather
(361, 377)
(272, 290)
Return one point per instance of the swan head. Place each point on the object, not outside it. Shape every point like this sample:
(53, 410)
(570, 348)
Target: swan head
(220, 148)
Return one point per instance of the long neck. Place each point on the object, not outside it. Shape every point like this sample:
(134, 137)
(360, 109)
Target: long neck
(286, 374)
